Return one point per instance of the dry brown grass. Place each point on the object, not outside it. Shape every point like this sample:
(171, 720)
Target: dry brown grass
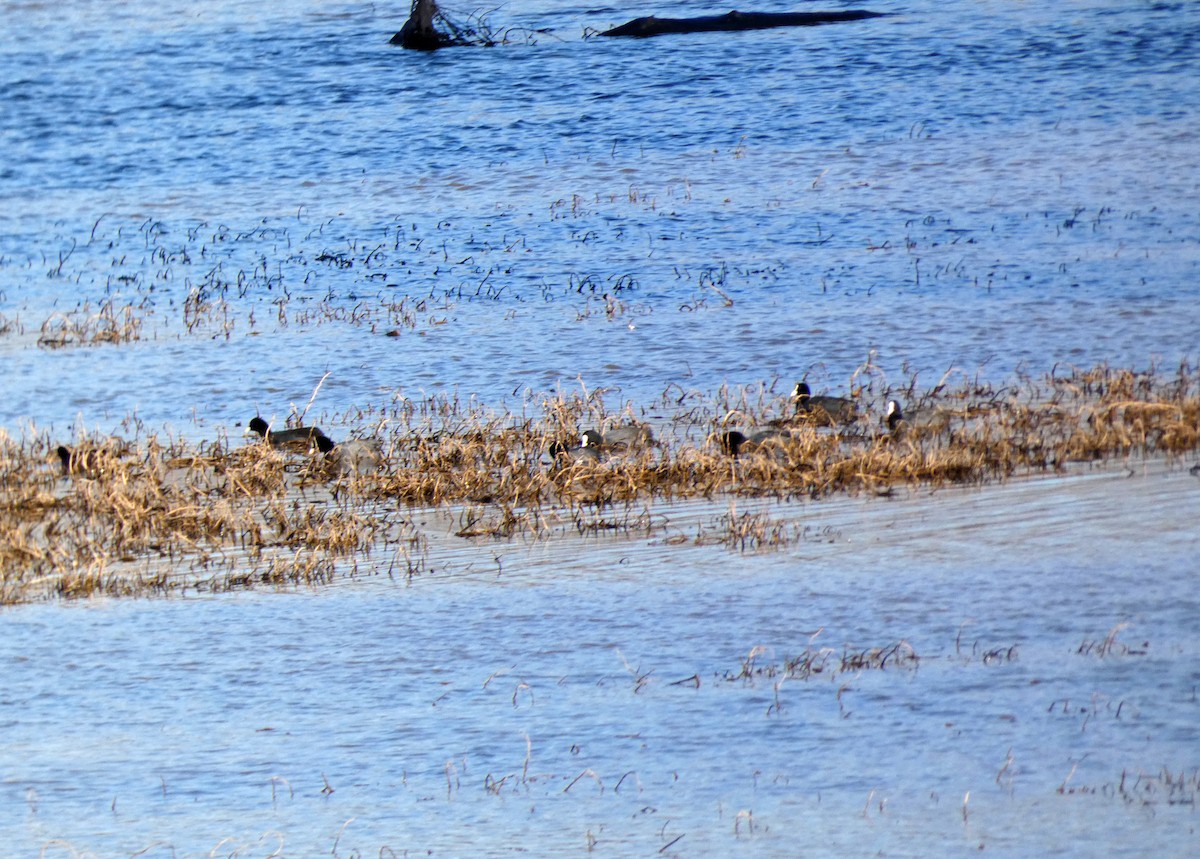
(154, 517)
(156, 520)
(108, 323)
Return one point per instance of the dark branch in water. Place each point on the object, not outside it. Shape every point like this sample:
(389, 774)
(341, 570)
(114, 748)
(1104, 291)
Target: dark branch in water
(429, 28)
(733, 21)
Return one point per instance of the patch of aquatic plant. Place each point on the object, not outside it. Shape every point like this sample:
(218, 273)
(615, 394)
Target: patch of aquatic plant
(9, 326)
(1111, 645)
(1164, 787)
(815, 661)
(85, 325)
(984, 653)
(759, 531)
(1094, 708)
(825, 662)
(202, 314)
(213, 279)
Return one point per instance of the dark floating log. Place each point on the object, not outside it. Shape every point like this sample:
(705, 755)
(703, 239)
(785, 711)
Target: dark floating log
(429, 28)
(732, 21)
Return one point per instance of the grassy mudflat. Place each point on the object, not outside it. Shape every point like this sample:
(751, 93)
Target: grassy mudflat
(146, 516)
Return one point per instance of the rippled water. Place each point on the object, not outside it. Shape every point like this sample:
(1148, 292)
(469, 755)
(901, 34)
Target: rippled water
(987, 188)
(525, 699)
(993, 187)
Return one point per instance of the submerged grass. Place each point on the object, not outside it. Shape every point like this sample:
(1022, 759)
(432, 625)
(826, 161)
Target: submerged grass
(115, 518)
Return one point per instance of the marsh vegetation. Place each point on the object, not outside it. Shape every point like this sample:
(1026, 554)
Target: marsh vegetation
(151, 515)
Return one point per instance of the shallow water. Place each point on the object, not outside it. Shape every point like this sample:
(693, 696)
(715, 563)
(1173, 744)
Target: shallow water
(986, 188)
(182, 722)
(993, 187)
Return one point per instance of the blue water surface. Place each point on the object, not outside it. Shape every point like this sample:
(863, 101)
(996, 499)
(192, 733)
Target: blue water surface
(269, 190)
(989, 188)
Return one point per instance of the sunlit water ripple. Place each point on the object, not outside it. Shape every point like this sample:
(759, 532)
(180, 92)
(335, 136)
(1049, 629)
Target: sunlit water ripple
(992, 187)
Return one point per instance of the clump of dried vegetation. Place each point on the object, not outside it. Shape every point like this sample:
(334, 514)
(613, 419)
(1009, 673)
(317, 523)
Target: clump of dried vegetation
(1142, 789)
(827, 662)
(85, 325)
(153, 516)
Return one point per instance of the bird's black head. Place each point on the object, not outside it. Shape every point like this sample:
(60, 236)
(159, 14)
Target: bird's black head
(801, 395)
(732, 441)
